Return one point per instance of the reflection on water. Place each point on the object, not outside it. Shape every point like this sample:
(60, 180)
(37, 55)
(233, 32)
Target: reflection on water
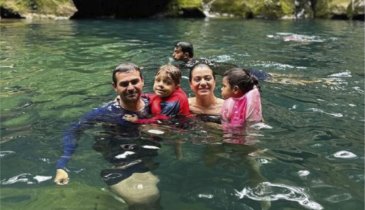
(307, 154)
(272, 192)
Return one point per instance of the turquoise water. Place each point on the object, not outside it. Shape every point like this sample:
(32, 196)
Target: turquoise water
(312, 141)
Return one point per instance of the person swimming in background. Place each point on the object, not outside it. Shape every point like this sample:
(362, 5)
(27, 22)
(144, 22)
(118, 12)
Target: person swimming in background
(242, 104)
(183, 53)
(169, 100)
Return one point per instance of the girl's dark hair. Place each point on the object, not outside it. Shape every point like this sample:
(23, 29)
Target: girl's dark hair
(200, 65)
(242, 78)
(126, 67)
(186, 47)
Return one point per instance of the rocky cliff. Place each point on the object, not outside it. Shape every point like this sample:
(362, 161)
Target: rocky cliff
(269, 9)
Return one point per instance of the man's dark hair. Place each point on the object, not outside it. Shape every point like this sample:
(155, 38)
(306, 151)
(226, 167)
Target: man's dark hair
(186, 47)
(125, 67)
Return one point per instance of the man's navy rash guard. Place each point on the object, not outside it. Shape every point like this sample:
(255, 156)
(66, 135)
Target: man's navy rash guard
(109, 113)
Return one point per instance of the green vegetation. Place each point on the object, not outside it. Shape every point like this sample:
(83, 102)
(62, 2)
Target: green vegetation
(189, 3)
(271, 9)
(45, 7)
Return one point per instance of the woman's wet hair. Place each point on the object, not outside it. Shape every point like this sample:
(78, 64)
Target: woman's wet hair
(186, 47)
(172, 71)
(242, 78)
(126, 67)
(200, 65)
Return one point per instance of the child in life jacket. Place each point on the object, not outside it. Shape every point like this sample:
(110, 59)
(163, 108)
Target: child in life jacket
(168, 100)
(242, 104)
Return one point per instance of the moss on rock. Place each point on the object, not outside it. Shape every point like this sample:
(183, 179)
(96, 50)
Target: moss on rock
(52, 8)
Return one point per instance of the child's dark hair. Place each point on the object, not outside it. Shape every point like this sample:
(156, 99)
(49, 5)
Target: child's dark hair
(186, 47)
(126, 67)
(172, 71)
(242, 78)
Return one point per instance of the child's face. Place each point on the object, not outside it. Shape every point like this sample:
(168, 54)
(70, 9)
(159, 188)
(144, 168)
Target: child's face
(164, 85)
(226, 89)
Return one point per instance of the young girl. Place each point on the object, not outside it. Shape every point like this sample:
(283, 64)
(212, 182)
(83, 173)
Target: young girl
(241, 92)
(169, 99)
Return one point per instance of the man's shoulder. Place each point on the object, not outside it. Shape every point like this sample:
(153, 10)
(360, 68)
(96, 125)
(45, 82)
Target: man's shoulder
(109, 105)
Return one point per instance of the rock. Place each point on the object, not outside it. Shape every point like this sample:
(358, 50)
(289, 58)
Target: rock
(56, 9)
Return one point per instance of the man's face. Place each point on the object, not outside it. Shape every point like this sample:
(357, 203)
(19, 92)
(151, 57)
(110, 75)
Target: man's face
(178, 54)
(129, 86)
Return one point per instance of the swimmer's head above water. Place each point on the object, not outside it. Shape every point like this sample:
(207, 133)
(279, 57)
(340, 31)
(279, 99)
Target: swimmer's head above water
(183, 51)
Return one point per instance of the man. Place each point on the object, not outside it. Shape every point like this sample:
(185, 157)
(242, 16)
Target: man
(183, 51)
(123, 147)
(183, 54)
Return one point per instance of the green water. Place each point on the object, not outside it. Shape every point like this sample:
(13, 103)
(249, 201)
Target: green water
(54, 72)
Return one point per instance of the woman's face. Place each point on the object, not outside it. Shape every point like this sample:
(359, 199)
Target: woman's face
(202, 81)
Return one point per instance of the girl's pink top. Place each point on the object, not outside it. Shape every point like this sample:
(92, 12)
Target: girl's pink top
(238, 111)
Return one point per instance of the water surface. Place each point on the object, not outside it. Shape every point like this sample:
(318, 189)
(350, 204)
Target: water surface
(313, 136)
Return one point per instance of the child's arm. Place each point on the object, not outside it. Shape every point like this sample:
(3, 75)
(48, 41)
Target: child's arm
(134, 118)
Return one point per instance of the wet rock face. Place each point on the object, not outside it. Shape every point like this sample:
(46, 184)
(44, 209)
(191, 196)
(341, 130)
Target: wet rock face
(7, 13)
(118, 8)
(269, 9)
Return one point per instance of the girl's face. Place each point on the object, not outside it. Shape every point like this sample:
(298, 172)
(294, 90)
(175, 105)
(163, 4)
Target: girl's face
(226, 89)
(164, 85)
(202, 81)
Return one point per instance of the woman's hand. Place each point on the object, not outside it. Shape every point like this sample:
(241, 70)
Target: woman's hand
(61, 177)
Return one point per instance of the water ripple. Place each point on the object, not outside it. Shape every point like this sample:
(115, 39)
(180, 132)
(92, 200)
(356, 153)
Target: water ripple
(339, 198)
(344, 154)
(267, 191)
(25, 178)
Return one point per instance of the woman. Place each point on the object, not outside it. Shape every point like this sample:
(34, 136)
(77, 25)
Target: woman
(202, 83)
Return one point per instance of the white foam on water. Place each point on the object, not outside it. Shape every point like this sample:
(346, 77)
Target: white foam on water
(124, 155)
(344, 154)
(155, 131)
(260, 126)
(208, 196)
(223, 58)
(15, 179)
(5, 153)
(341, 74)
(267, 191)
(321, 111)
(303, 173)
(150, 147)
(358, 89)
(42, 178)
(339, 198)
